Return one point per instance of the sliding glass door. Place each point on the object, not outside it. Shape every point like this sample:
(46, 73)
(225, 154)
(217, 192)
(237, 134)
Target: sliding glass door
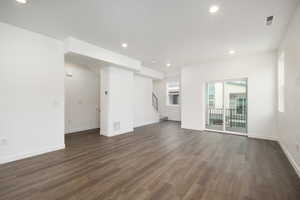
(226, 106)
(214, 108)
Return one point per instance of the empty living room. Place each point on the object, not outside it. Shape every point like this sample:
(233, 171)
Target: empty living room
(150, 100)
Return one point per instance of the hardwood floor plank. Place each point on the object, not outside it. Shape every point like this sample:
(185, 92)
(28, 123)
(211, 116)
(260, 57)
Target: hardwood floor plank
(159, 161)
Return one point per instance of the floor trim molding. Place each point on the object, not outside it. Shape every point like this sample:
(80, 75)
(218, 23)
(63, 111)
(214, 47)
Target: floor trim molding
(83, 131)
(290, 158)
(226, 132)
(16, 157)
(79, 130)
(146, 124)
(263, 137)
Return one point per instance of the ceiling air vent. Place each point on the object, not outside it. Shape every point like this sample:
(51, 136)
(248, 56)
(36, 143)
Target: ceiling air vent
(269, 20)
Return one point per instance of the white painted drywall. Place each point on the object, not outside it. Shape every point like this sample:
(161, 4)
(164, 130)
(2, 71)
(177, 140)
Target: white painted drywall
(32, 93)
(104, 101)
(160, 89)
(288, 121)
(82, 93)
(144, 112)
(79, 47)
(73, 45)
(150, 73)
(117, 106)
(32, 102)
(260, 69)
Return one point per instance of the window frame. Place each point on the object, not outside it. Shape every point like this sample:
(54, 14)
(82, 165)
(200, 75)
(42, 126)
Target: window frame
(168, 95)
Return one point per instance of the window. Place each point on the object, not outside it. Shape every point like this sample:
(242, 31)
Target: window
(226, 105)
(173, 90)
(281, 82)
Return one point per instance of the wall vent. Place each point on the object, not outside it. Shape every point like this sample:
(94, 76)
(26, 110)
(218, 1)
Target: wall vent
(269, 20)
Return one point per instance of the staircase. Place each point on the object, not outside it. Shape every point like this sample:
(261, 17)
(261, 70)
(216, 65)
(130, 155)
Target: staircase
(155, 106)
(154, 101)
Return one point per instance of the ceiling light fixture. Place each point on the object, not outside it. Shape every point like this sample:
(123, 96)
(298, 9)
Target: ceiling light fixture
(213, 9)
(153, 61)
(125, 45)
(22, 1)
(231, 52)
(168, 64)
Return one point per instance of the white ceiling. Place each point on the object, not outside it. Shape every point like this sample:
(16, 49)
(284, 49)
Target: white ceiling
(181, 32)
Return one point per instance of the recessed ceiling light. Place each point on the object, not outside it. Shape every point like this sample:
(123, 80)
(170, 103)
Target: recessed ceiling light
(125, 45)
(168, 64)
(213, 9)
(231, 52)
(21, 1)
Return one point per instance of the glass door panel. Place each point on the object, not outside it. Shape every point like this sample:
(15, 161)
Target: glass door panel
(235, 106)
(214, 106)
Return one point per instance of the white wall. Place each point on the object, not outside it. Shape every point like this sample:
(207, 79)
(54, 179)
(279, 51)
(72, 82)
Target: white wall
(104, 100)
(32, 94)
(160, 90)
(144, 113)
(82, 92)
(150, 73)
(117, 106)
(86, 49)
(289, 126)
(260, 70)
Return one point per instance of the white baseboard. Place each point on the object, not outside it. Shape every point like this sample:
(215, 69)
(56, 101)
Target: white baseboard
(226, 132)
(262, 137)
(145, 124)
(115, 133)
(290, 158)
(192, 129)
(75, 130)
(249, 135)
(82, 131)
(12, 158)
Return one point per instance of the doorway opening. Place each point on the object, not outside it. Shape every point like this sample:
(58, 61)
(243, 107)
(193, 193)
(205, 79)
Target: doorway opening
(227, 106)
(82, 95)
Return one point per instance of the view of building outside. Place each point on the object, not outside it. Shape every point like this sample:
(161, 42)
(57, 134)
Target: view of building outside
(234, 98)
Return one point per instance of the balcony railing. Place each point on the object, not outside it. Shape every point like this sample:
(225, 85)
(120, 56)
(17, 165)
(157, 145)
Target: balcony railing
(234, 118)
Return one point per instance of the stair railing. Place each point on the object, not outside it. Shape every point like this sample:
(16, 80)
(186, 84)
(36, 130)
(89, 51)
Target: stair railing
(155, 101)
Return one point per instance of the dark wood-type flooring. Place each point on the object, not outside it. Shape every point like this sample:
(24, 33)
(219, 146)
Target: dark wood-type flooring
(160, 161)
